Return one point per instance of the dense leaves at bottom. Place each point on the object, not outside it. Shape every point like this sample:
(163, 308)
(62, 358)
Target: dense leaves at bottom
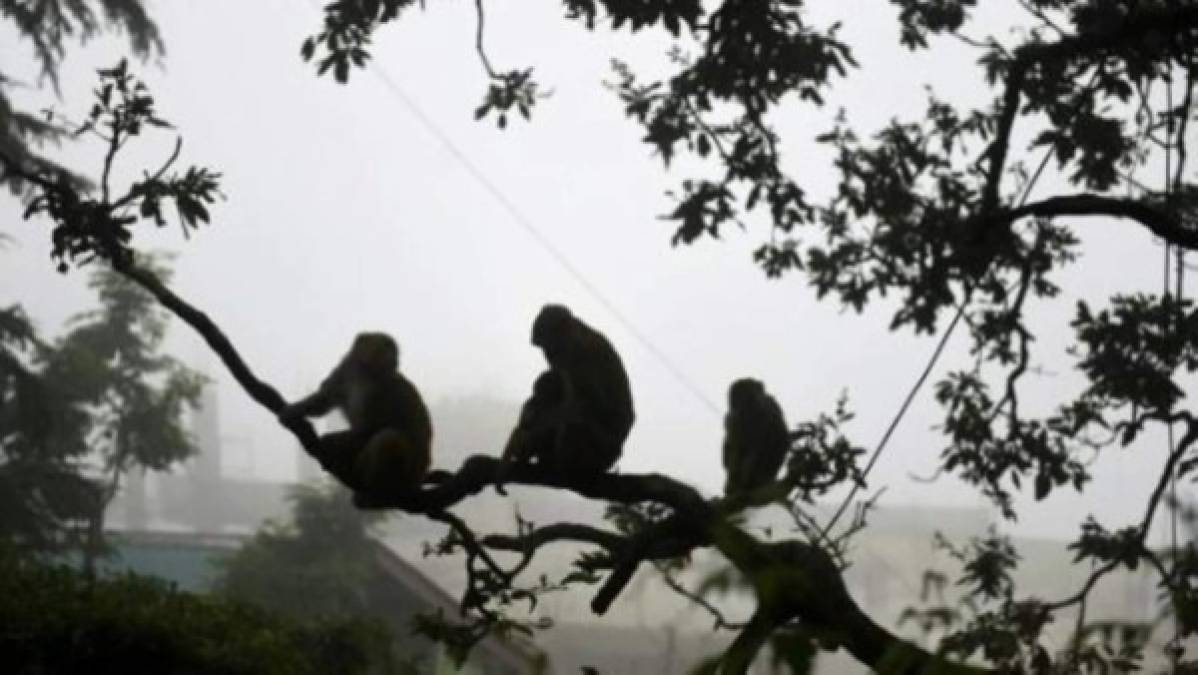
(58, 621)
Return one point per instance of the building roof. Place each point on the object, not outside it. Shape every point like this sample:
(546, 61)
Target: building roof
(186, 558)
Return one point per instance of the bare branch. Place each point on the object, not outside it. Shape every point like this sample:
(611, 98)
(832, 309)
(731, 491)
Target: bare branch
(264, 394)
(1163, 482)
(478, 41)
(157, 175)
(114, 144)
(748, 643)
(639, 548)
(1166, 477)
(558, 532)
(997, 152)
(721, 621)
(1159, 221)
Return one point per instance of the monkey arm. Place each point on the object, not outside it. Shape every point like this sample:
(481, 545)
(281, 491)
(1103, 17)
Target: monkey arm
(320, 402)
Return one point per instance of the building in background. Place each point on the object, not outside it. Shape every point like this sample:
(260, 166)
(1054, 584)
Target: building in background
(188, 559)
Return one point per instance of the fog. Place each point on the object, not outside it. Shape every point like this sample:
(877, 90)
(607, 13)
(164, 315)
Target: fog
(383, 205)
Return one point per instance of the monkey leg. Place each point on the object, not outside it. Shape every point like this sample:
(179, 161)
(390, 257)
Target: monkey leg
(525, 446)
(390, 463)
(337, 454)
(584, 451)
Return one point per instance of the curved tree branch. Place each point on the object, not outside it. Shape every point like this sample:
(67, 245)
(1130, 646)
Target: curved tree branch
(1161, 222)
(558, 532)
(264, 394)
(793, 580)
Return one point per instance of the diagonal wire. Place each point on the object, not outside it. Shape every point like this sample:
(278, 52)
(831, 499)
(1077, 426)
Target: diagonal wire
(919, 382)
(525, 223)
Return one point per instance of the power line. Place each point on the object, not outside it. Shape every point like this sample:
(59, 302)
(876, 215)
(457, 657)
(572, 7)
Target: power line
(527, 225)
(923, 376)
(898, 417)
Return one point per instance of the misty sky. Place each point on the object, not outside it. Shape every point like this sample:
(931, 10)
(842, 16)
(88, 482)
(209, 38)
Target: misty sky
(348, 211)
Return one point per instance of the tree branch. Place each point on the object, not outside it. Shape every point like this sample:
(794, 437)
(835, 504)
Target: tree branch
(638, 549)
(264, 394)
(998, 149)
(1164, 224)
(721, 621)
(558, 532)
(793, 580)
(1145, 20)
(1145, 524)
(748, 643)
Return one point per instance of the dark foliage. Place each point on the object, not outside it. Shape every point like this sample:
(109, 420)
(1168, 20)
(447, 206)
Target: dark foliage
(58, 621)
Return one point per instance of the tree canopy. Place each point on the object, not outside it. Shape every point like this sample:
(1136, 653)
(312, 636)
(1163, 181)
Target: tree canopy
(946, 213)
(83, 411)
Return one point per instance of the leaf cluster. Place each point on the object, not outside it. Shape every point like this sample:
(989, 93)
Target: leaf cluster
(344, 40)
(64, 622)
(89, 226)
(47, 27)
(43, 436)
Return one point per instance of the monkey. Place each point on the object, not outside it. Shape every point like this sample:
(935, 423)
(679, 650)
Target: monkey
(537, 429)
(756, 438)
(539, 426)
(387, 448)
(581, 437)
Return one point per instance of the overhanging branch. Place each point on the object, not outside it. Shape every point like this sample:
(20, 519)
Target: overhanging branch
(264, 394)
(556, 533)
(793, 580)
(1163, 223)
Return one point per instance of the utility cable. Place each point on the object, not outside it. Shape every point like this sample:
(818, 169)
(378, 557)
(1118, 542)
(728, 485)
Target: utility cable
(923, 376)
(525, 223)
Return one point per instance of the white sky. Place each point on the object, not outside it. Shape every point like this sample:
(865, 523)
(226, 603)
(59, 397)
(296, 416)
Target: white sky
(346, 213)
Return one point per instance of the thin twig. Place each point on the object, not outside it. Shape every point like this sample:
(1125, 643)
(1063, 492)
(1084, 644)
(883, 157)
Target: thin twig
(478, 41)
(131, 195)
(923, 376)
(721, 622)
(114, 144)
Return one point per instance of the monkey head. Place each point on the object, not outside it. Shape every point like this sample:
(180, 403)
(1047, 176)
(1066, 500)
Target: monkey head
(553, 330)
(374, 353)
(745, 392)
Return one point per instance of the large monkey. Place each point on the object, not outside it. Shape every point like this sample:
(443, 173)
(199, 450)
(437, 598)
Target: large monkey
(756, 439)
(579, 434)
(387, 448)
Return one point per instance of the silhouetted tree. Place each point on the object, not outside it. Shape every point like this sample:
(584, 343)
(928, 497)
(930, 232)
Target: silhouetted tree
(938, 212)
(326, 550)
(80, 413)
(48, 26)
(111, 360)
(43, 494)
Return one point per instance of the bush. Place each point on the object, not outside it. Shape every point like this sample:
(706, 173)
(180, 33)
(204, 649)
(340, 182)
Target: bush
(56, 621)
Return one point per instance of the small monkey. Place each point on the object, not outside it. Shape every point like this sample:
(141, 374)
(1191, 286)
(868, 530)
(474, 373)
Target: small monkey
(387, 448)
(756, 439)
(538, 429)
